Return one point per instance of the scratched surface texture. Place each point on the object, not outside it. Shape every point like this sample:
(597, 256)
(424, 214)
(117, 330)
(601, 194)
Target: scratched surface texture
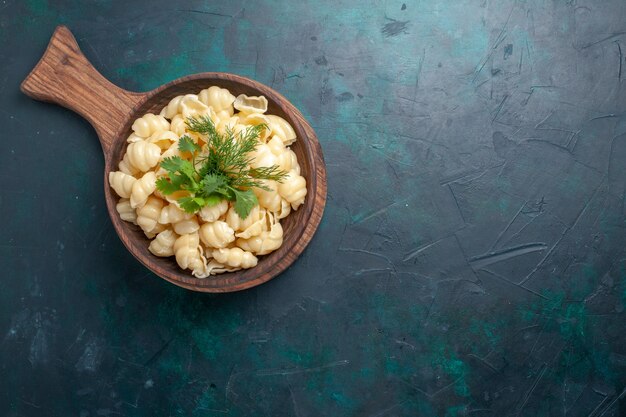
(471, 261)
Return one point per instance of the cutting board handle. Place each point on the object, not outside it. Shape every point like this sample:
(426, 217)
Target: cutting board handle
(64, 76)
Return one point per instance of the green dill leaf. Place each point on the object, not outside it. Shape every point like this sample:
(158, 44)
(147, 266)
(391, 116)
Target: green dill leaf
(186, 144)
(166, 187)
(203, 125)
(244, 202)
(273, 173)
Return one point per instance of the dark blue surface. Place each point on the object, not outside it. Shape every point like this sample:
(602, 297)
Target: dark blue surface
(471, 261)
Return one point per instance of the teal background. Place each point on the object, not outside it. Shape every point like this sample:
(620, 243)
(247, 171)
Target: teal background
(471, 260)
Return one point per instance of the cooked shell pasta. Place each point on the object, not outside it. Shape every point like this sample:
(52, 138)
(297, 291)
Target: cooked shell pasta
(217, 234)
(148, 214)
(189, 254)
(126, 212)
(281, 128)
(276, 146)
(149, 124)
(121, 183)
(172, 214)
(143, 155)
(173, 107)
(271, 200)
(178, 125)
(262, 156)
(157, 229)
(186, 226)
(250, 104)
(220, 99)
(266, 242)
(134, 138)
(214, 267)
(255, 228)
(163, 243)
(239, 224)
(142, 188)
(212, 213)
(293, 189)
(285, 209)
(163, 139)
(235, 257)
(126, 167)
(213, 239)
(288, 161)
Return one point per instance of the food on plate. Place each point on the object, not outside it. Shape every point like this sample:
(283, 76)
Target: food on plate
(209, 179)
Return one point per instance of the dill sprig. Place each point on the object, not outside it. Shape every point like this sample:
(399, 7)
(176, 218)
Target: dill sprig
(219, 170)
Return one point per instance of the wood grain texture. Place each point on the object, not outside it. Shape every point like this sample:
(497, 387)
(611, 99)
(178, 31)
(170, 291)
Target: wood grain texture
(64, 76)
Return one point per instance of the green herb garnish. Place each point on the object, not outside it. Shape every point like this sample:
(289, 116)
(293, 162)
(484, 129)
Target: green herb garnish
(220, 170)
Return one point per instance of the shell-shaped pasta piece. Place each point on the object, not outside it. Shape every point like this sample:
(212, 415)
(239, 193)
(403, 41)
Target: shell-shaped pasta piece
(281, 128)
(276, 145)
(121, 183)
(214, 268)
(157, 229)
(163, 243)
(143, 155)
(134, 138)
(163, 139)
(186, 226)
(255, 119)
(239, 130)
(250, 104)
(239, 224)
(220, 99)
(293, 189)
(266, 242)
(150, 123)
(142, 188)
(285, 209)
(288, 161)
(177, 195)
(262, 156)
(178, 125)
(235, 257)
(148, 214)
(188, 253)
(217, 234)
(173, 107)
(257, 227)
(126, 212)
(213, 213)
(190, 106)
(227, 123)
(171, 151)
(268, 199)
(126, 167)
(173, 214)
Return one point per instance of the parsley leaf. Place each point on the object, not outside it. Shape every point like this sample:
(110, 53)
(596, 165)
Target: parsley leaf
(211, 183)
(186, 144)
(189, 204)
(244, 202)
(166, 187)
